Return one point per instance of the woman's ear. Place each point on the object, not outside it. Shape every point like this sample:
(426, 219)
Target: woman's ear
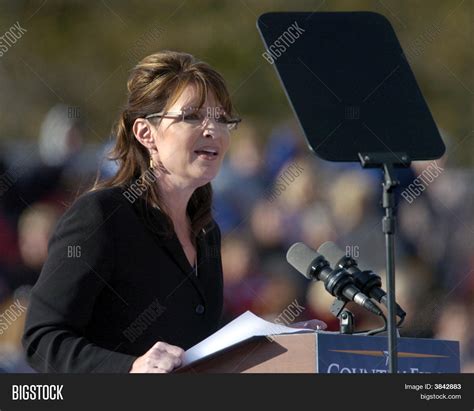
(142, 129)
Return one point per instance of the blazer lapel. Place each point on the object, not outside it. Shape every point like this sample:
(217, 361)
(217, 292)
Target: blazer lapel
(173, 247)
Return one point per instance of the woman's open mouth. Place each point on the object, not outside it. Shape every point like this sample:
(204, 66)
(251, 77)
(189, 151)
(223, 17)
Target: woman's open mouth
(207, 153)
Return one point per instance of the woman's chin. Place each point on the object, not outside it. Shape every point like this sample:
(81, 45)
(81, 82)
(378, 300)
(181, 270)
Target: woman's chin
(204, 178)
(206, 174)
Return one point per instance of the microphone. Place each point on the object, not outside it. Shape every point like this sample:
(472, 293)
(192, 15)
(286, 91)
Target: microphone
(337, 282)
(366, 280)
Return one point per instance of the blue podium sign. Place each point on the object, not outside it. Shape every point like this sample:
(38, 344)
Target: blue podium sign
(338, 354)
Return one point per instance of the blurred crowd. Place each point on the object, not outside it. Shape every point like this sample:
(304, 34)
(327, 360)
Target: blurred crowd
(271, 192)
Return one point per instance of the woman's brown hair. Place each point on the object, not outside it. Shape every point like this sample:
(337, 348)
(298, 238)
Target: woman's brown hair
(154, 84)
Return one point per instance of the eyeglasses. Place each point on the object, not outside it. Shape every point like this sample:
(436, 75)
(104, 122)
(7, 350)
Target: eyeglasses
(198, 116)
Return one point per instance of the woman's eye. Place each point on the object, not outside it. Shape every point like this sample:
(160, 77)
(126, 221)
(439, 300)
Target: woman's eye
(192, 117)
(222, 119)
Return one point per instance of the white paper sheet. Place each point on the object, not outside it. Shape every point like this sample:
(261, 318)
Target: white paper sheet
(243, 327)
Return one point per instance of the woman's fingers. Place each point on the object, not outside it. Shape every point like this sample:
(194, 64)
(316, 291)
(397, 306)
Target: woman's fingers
(161, 358)
(171, 349)
(165, 356)
(167, 362)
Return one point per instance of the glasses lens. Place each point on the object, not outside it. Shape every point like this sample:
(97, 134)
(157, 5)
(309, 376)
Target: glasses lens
(193, 116)
(198, 116)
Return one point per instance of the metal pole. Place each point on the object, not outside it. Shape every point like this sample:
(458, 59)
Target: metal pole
(388, 226)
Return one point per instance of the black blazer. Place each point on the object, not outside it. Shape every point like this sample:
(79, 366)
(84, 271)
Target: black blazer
(111, 288)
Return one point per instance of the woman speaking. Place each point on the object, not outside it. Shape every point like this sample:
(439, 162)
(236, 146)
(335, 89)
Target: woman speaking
(134, 274)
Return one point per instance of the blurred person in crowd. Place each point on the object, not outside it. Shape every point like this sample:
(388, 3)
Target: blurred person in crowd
(294, 188)
(455, 323)
(35, 227)
(350, 196)
(243, 279)
(13, 309)
(61, 135)
(316, 225)
(134, 274)
(443, 206)
(283, 287)
(267, 223)
(352, 204)
(240, 182)
(9, 252)
(416, 293)
(284, 144)
(108, 167)
(295, 193)
(60, 141)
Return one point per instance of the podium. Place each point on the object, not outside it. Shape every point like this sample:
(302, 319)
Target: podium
(329, 353)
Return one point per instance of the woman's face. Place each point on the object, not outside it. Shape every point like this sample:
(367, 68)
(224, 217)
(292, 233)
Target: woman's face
(184, 149)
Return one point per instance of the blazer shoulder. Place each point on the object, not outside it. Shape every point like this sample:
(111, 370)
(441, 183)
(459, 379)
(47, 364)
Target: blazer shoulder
(103, 196)
(98, 201)
(92, 207)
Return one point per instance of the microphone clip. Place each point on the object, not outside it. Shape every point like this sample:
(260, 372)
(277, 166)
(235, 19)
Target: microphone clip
(345, 317)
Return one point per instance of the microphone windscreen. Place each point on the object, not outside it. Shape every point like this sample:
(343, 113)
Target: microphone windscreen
(300, 256)
(331, 252)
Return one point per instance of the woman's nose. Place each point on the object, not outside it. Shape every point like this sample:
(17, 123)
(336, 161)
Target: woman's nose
(212, 130)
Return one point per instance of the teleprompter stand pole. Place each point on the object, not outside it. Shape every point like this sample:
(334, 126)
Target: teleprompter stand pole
(387, 162)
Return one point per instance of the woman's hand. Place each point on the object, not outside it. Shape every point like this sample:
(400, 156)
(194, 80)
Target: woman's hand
(161, 358)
